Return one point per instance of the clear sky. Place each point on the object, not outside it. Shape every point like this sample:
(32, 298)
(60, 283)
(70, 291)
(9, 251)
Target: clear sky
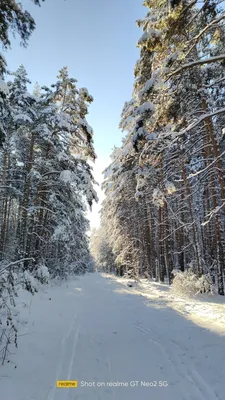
(96, 39)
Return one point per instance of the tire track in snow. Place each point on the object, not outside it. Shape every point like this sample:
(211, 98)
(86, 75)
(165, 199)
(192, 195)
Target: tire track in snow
(73, 354)
(109, 365)
(72, 359)
(190, 373)
(203, 387)
(147, 333)
(176, 369)
(206, 391)
(51, 393)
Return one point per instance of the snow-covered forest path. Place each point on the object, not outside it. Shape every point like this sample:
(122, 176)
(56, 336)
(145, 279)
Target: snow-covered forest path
(92, 330)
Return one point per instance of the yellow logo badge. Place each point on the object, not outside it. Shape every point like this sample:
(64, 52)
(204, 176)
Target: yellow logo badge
(67, 384)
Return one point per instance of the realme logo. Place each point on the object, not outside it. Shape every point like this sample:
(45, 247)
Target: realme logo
(67, 384)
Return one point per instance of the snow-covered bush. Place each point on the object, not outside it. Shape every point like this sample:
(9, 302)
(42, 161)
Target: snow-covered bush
(10, 283)
(8, 330)
(204, 284)
(29, 282)
(187, 283)
(43, 274)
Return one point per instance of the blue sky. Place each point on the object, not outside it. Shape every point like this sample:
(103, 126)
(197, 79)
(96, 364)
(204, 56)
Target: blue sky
(96, 39)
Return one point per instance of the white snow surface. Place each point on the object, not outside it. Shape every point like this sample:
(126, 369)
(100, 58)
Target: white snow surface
(95, 329)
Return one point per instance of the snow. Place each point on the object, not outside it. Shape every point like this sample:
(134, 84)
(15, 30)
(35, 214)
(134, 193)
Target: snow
(170, 187)
(101, 332)
(63, 121)
(19, 163)
(149, 84)
(147, 35)
(198, 62)
(83, 122)
(212, 307)
(158, 197)
(172, 57)
(43, 273)
(84, 91)
(59, 232)
(151, 136)
(107, 172)
(128, 122)
(66, 176)
(127, 149)
(3, 87)
(147, 106)
(30, 281)
(22, 117)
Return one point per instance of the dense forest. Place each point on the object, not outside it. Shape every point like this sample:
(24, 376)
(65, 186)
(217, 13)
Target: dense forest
(46, 182)
(135, 308)
(163, 211)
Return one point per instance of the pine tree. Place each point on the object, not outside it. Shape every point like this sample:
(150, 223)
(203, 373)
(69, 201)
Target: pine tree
(14, 19)
(173, 146)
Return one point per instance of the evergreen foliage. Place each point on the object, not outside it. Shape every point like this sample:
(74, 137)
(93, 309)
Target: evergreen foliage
(165, 189)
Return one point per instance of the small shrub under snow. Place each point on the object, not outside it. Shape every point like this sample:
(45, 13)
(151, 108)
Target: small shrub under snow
(29, 282)
(8, 330)
(43, 274)
(189, 284)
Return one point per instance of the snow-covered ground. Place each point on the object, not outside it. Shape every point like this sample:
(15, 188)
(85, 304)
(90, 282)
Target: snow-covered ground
(207, 311)
(101, 332)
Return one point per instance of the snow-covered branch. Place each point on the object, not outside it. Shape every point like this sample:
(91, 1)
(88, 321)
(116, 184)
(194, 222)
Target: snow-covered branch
(192, 64)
